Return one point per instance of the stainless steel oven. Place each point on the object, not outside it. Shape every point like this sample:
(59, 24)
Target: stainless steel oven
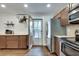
(70, 49)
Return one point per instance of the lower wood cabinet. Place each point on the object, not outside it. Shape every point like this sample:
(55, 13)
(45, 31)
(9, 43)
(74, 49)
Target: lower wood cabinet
(2, 42)
(22, 42)
(14, 41)
(56, 46)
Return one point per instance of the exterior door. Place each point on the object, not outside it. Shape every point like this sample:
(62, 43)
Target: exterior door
(37, 32)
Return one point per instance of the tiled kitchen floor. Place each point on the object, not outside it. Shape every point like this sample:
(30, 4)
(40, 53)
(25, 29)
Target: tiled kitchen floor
(35, 51)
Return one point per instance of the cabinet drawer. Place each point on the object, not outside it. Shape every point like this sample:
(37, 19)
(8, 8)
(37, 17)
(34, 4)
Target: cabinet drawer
(22, 37)
(12, 37)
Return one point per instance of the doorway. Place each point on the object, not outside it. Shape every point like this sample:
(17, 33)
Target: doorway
(37, 32)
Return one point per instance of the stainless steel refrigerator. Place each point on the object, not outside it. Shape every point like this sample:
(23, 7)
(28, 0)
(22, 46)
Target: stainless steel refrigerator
(54, 28)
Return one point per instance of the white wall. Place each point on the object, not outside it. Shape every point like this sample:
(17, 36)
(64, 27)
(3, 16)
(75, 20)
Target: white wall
(19, 28)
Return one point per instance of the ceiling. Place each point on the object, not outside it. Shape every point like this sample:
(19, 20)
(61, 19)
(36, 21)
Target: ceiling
(33, 8)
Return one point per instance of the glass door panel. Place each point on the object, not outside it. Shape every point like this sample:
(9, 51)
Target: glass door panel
(37, 31)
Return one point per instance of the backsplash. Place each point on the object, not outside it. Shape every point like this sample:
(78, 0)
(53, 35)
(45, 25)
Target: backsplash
(19, 28)
(71, 29)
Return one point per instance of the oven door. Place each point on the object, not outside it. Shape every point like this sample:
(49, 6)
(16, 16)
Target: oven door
(70, 50)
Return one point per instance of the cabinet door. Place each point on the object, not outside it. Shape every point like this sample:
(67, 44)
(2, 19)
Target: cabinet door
(2, 42)
(23, 42)
(64, 17)
(57, 16)
(12, 41)
(57, 46)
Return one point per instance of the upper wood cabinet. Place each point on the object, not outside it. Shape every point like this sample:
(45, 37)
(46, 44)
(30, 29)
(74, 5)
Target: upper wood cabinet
(63, 16)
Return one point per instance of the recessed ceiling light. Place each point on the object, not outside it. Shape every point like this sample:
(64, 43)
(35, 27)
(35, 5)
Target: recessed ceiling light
(48, 5)
(3, 6)
(25, 5)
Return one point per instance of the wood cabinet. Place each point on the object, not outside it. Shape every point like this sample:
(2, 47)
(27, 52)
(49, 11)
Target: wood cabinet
(14, 41)
(63, 16)
(57, 16)
(2, 42)
(23, 41)
(56, 46)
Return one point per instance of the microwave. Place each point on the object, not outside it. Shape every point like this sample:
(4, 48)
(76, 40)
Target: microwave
(74, 15)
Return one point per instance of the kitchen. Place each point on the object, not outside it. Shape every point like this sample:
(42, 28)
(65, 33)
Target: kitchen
(59, 29)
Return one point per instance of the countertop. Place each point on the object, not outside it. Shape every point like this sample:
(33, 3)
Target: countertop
(70, 39)
(64, 36)
(14, 34)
